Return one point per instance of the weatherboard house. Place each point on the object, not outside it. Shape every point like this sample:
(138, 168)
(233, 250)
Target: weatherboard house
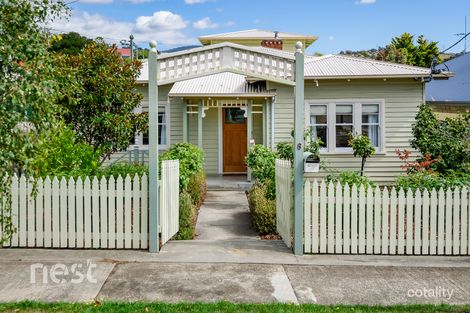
(238, 90)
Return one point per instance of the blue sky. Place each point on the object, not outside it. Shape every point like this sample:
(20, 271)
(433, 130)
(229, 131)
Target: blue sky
(340, 24)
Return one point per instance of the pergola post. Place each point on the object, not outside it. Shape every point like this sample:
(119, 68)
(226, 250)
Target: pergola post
(249, 130)
(299, 120)
(153, 150)
(200, 112)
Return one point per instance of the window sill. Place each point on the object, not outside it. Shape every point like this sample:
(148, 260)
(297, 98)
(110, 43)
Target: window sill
(146, 148)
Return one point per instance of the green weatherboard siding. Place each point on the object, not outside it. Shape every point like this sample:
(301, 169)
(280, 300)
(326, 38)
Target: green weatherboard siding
(402, 98)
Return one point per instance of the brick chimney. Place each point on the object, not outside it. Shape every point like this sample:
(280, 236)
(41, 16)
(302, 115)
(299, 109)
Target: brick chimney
(274, 43)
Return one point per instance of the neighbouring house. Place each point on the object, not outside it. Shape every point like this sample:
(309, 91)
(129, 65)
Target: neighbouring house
(451, 97)
(124, 52)
(238, 90)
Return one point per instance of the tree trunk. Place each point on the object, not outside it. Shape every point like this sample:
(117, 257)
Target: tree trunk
(363, 163)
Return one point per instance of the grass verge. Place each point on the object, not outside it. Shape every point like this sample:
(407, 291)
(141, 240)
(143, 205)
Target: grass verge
(217, 307)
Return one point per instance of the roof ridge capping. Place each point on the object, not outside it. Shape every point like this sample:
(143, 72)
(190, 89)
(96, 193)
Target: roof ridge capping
(253, 30)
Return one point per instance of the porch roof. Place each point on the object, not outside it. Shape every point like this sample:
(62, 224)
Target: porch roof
(225, 84)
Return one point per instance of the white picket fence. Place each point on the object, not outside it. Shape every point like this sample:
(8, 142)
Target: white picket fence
(284, 201)
(350, 220)
(91, 213)
(169, 199)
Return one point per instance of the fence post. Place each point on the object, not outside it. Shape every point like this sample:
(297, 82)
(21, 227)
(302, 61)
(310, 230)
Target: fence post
(299, 120)
(153, 149)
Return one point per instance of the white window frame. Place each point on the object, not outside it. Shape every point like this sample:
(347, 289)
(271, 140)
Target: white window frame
(357, 121)
(139, 137)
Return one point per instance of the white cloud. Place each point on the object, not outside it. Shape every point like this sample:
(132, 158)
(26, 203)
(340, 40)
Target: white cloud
(93, 25)
(96, 1)
(194, 1)
(257, 21)
(160, 21)
(230, 23)
(366, 2)
(163, 26)
(205, 23)
(331, 38)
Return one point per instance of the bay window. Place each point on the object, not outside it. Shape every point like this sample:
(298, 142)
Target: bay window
(333, 120)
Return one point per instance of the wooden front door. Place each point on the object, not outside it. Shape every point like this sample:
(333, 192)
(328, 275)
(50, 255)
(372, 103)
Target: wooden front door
(234, 141)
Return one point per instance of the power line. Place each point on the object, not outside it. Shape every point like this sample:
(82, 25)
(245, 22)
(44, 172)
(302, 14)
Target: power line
(459, 41)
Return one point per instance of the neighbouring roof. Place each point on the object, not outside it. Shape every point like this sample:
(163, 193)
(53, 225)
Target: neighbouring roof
(125, 52)
(457, 88)
(220, 84)
(257, 34)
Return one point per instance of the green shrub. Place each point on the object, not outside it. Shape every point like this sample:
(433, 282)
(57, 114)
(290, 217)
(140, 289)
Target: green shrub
(187, 218)
(430, 180)
(191, 160)
(362, 147)
(60, 153)
(123, 169)
(285, 151)
(263, 210)
(351, 178)
(446, 140)
(197, 188)
(262, 162)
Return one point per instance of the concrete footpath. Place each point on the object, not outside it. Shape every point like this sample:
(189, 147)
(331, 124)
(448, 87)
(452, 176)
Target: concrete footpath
(58, 275)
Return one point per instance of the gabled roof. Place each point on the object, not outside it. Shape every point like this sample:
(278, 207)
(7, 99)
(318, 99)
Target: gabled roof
(457, 88)
(339, 66)
(257, 34)
(220, 84)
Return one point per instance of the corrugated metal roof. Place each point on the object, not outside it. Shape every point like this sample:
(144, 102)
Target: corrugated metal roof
(338, 66)
(221, 84)
(324, 67)
(457, 88)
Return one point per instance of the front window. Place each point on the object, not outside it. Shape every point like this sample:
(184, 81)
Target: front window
(370, 122)
(162, 128)
(344, 124)
(319, 123)
(332, 122)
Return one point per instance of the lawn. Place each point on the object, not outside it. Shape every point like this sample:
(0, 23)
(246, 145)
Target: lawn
(215, 307)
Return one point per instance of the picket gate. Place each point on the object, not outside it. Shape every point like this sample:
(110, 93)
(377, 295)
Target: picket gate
(284, 201)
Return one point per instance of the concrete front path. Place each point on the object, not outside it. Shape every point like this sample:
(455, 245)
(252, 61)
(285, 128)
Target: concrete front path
(224, 233)
(225, 215)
